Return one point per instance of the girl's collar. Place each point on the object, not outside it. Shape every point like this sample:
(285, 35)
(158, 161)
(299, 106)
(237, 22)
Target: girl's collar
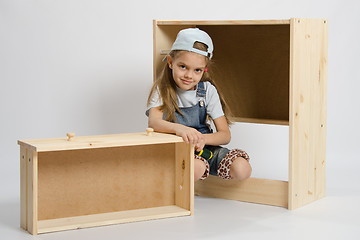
(180, 90)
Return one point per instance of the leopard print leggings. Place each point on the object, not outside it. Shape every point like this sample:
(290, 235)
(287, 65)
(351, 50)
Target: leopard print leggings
(223, 170)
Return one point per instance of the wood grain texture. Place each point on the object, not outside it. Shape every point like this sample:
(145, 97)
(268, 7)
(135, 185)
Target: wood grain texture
(184, 174)
(32, 191)
(264, 191)
(23, 187)
(225, 22)
(308, 82)
(110, 218)
(99, 141)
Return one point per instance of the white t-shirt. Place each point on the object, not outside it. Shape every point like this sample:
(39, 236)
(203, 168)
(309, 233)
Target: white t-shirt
(189, 99)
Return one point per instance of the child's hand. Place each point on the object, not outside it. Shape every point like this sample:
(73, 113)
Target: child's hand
(200, 145)
(191, 135)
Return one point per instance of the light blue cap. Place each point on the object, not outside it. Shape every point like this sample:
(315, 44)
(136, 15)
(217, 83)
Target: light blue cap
(187, 37)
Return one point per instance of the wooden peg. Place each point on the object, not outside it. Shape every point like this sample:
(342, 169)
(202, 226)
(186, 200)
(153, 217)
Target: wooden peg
(70, 136)
(149, 131)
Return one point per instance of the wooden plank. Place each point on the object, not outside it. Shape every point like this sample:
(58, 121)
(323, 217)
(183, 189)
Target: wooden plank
(100, 141)
(224, 22)
(32, 192)
(264, 191)
(259, 120)
(23, 187)
(111, 218)
(307, 131)
(184, 174)
(321, 92)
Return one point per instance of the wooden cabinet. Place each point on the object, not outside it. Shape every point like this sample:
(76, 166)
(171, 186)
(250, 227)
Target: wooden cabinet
(77, 182)
(271, 72)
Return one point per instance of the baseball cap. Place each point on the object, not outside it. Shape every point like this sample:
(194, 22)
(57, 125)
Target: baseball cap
(187, 37)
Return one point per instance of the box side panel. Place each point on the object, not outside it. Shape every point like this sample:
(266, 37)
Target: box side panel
(23, 187)
(184, 173)
(32, 191)
(308, 82)
(99, 141)
(94, 181)
(255, 190)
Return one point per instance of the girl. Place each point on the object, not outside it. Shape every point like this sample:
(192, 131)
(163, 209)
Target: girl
(185, 96)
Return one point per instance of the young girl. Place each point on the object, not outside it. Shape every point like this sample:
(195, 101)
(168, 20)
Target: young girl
(185, 96)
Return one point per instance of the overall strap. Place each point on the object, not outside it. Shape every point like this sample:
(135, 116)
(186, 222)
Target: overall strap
(201, 91)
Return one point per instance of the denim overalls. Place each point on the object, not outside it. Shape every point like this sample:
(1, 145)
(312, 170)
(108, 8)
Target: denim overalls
(195, 117)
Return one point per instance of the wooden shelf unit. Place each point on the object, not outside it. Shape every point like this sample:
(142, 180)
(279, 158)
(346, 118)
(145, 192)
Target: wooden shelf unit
(271, 72)
(102, 180)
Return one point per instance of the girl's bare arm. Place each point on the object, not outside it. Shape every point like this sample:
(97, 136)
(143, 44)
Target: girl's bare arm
(222, 135)
(189, 135)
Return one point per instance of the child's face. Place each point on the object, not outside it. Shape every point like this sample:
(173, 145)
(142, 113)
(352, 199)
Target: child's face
(187, 69)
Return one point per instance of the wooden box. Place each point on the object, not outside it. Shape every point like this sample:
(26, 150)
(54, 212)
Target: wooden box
(100, 180)
(272, 72)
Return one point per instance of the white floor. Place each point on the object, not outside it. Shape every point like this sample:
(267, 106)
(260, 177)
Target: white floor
(333, 217)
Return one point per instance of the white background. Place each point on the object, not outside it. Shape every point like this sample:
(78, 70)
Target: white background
(85, 66)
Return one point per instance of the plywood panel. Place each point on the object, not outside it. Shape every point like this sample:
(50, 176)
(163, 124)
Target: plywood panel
(90, 181)
(251, 67)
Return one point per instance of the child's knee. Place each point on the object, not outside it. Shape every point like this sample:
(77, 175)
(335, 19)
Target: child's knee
(201, 168)
(240, 169)
(235, 165)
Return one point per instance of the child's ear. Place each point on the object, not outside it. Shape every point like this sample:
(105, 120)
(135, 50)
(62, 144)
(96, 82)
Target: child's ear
(169, 61)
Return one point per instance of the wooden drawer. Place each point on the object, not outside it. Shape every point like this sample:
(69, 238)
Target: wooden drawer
(100, 180)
